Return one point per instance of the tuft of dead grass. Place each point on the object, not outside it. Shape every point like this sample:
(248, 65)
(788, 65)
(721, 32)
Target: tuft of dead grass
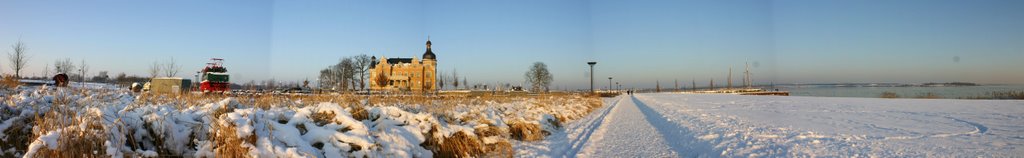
(9, 82)
(459, 144)
(524, 131)
(17, 135)
(500, 149)
(323, 118)
(227, 142)
(360, 113)
(77, 136)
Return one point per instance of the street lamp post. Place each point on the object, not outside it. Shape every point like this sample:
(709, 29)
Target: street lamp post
(592, 63)
(610, 84)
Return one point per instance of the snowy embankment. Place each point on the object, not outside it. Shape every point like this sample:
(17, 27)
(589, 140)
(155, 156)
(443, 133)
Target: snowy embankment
(720, 125)
(44, 122)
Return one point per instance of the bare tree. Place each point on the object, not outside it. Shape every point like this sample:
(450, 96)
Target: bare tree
(440, 80)
(353, 73)
(455, 79)
(171, 68)
(63, 66)
(154, 70)
(83, 69)
(102, 77)
(657, 86)
(46, 71)
(327, 77)
(381, 80)
(539, 76)
(464, 83)
(362, 62)
(18, 58)
(346, 72)
(121, 78)
(270, 84)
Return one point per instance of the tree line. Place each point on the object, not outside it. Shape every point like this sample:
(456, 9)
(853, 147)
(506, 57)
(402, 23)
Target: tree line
(350, 73)
(353, 73)
(18, 59)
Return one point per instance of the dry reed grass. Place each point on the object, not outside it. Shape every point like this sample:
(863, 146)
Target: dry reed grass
(501, 148)
(9, 82)
(77, 135)
(87, 141)
(526, 131)
(16, 136)
(459, 144)
(227, 142)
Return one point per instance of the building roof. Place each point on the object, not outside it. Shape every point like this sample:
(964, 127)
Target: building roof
(392, 61)
(373, 61)
(399, 60)
(429, 54)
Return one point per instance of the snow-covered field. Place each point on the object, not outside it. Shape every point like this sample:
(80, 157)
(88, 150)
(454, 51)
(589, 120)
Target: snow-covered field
(106, 122)
(100, 120)
(721, 125)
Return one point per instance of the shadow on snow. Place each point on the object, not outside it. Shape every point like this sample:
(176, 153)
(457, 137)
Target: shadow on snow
(678, 138)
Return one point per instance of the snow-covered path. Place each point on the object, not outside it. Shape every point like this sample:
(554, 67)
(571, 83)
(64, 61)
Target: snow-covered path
(716, 125)
(626, 132)
(625, 127)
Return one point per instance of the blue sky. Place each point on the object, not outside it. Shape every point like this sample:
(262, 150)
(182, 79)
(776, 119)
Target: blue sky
(636, 42)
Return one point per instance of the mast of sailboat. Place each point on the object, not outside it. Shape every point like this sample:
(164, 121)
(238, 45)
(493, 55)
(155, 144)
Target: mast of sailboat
(746, 76)
(729, 85)
(693, 84)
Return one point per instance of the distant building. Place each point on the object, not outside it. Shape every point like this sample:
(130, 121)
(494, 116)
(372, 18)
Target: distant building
(404, 74)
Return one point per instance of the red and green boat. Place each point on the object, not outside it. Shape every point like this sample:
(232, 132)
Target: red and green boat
(214, 77)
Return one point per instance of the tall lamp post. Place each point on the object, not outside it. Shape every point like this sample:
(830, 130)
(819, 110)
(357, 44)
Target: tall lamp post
(610, 84)
(592, 63)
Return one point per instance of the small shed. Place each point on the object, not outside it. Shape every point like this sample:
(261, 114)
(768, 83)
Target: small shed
(170, 85)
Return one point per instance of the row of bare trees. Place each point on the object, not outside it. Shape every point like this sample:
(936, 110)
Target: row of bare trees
(170, 68)
(350, 73)
(445, 79)
(18, 59)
